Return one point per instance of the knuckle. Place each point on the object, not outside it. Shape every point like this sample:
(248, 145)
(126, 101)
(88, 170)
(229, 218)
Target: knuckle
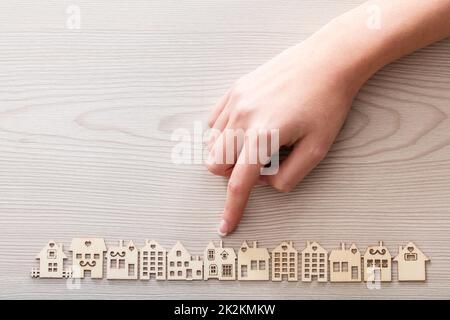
(235, 187)
(285, 188)
(240, 112)
(218, 170)
(282, 185)
(319, 152)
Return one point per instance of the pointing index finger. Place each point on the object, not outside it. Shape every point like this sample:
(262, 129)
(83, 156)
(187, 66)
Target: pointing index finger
(243, 178)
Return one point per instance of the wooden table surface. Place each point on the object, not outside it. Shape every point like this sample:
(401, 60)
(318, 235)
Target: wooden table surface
(86, 118)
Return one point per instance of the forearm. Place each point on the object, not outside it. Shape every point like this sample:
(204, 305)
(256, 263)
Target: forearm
(363, 40)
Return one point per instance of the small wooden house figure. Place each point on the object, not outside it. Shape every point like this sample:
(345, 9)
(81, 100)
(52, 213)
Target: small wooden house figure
(87, 256)
(285, 262)
(377, 263)
(153, 261)
(219, 262)
(183, 266)
(345, 264)
(51, 262)
(411, 263)
(122, 261)
(253, 262)
(314, 263)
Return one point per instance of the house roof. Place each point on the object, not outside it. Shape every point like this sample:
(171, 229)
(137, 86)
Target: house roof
(178, 246)
(287, 244)
(220, 248)
(149, 243)
(122, 245)
(212, 245)
(337, 254)
(263, 252)
(379, 249)
(51, 245)
(245, 245)
(230, 252)
(89, 244)
(311, 245)
(410, 248)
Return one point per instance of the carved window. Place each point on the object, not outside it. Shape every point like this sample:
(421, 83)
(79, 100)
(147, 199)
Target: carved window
(227, 270)
(211, 254)
(213, 270)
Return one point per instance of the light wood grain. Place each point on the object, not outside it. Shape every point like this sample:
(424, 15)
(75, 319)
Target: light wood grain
(85, 123)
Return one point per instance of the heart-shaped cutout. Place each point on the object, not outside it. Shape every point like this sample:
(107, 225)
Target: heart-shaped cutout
(284, 248)
(354, 251)
(131, 248)
(87, 243)
(51, 244)
(243, 249)
(410, 249)
(314, 248)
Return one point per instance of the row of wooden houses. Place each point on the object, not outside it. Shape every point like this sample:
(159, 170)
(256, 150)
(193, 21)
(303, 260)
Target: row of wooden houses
(152, 261)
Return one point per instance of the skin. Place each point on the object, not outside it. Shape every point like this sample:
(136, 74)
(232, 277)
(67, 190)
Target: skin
(307, 90)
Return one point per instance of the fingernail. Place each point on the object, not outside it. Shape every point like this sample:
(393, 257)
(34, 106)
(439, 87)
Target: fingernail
(223, 228)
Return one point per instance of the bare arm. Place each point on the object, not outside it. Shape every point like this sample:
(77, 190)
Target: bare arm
(381, 31)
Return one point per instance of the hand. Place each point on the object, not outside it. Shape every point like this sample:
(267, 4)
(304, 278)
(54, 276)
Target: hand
(301, 93)
(306, 92)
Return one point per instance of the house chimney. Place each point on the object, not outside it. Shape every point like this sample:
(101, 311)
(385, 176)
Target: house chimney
(400, 249)
(254, 244)
(380, 243)
(221, 244)
(343, 246)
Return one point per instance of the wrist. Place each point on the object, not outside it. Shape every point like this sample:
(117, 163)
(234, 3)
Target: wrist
(346, 54)
(372, 35)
